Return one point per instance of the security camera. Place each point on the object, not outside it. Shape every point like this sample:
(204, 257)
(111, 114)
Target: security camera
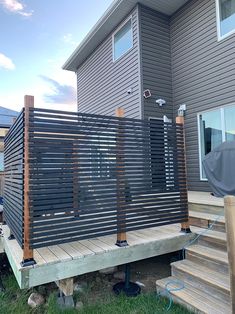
(160, 102)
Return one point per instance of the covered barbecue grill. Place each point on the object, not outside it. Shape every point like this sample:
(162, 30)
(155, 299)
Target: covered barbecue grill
(219, 166)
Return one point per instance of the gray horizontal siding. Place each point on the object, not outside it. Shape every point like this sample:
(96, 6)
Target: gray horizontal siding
(103, 84)
(156, 62)
(203, 72)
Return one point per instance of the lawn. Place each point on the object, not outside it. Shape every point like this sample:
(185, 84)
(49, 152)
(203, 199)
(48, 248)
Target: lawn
(14, 301)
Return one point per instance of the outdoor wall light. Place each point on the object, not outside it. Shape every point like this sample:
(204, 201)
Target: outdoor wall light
(182, 110)
(160, 102)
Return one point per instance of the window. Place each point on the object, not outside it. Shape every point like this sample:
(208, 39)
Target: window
(225, 17)
(122, 40)
(215, 127)
(1, 161)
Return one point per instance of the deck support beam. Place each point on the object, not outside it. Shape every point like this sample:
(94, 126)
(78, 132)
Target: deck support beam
(185, 226)
(27, 251)
(66, 286)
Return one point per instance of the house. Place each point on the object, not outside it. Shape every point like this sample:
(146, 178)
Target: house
(151, 57)
(7, 117)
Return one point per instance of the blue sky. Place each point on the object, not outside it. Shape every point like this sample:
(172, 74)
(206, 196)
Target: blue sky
(36, 38)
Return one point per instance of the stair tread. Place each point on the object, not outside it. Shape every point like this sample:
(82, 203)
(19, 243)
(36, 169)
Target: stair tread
(207, 216)
(209, 253)
(209, 233)
(205, 273)
(195, 297)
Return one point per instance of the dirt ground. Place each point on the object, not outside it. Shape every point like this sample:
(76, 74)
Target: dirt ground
(97, 286)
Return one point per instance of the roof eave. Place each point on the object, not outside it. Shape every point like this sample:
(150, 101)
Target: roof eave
(69, 64)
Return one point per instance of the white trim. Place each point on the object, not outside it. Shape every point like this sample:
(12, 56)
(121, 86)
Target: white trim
(130, 18)
(141, 88)
(222, 124)
(199, 146)
(222, 116)
(219, 37)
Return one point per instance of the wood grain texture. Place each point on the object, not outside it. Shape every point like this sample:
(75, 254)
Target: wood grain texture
(229, 206)
(184, 188)
(92, 255)
(66, 286)
(121, 236)
(28, 252)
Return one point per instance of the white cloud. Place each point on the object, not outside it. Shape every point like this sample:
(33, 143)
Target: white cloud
(39, 88)
(16, 6)
(68, 39)
(6, 62)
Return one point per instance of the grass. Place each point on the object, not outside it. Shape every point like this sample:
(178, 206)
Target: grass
(14, 301)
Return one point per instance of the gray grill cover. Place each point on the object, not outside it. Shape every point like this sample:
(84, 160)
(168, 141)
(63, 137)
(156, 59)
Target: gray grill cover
(219, 166)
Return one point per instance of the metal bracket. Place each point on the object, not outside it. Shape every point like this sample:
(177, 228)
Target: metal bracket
(11, 237)
(28, 262)
(122, 243)
(186, 230)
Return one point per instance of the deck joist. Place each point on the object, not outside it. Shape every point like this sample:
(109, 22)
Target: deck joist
(76, 258)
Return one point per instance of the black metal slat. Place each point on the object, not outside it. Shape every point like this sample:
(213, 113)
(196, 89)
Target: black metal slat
(61, 155)
(13, 186)
(66, 238)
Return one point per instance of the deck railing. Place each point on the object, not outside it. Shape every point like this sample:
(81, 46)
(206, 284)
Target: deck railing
(72, 176)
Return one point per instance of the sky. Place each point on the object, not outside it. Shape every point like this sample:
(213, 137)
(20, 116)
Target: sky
(36, 38)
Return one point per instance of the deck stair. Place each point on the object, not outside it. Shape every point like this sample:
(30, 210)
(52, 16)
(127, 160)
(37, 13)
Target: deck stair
(202, 278)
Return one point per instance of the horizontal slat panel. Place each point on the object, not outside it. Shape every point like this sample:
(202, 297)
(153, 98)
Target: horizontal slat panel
(93, 175)
(13, 187)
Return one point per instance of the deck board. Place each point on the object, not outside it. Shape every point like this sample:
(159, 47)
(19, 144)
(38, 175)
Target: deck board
(68, 248)
(48, 255)
(60, 253)
(75, 258)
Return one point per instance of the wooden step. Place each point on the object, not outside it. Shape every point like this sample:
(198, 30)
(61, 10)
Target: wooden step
(209, 281)
(205, 220)
(213, 258)
(205, 208)
(193, 299)
(211, 238)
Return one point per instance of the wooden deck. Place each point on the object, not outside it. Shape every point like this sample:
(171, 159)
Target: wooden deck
(67, 260)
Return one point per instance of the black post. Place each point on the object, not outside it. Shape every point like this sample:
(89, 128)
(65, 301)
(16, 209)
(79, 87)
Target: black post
(130, 289)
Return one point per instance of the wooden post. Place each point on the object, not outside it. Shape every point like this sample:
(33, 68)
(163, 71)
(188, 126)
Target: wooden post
(27, 251)
(66, 286)
(229, 209)
(121, 236)
(185, 227)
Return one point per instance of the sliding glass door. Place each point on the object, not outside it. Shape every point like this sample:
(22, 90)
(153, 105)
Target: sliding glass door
(215, 127)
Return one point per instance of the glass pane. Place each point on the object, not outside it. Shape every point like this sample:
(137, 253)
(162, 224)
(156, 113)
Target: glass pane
(227, 16)
(1, 161)
(3, 131)
(123, 40)
(210, 131)
(229, 117)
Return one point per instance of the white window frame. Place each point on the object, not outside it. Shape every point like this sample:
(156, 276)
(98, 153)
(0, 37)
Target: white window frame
(218, 23)
(116, 31)
(221, 108)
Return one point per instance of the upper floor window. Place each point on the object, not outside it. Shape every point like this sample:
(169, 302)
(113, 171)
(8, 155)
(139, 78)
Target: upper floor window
(225, 17)
(122, 40)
